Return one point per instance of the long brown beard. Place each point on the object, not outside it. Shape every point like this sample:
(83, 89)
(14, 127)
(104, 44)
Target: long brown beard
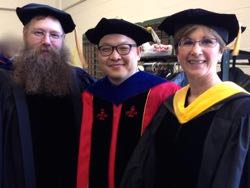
(48, 74)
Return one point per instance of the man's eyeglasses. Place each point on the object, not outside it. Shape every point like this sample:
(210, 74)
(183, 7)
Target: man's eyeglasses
(54, 36)
(122, 49)
(205, 43)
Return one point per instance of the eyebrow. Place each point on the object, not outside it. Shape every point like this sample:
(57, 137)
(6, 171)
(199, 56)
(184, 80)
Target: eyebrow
(52, 30)
(108, 44)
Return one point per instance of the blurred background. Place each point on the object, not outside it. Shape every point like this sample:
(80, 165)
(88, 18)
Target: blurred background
(86, 14)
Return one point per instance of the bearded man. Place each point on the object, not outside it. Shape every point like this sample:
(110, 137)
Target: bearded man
(43, 69)
(51, 90)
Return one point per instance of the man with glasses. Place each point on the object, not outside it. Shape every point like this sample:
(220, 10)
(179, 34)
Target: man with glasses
(119, 107)
(46, 148)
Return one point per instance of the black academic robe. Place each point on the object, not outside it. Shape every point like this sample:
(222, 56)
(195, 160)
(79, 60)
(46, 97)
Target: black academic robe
(55, 126)
(40, 148)
(210, 151)
(11, 169)
(114, 118)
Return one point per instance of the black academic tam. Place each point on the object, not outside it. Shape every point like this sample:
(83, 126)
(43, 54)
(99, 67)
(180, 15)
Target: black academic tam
(29, 11)
(226, 25)
(118, 26)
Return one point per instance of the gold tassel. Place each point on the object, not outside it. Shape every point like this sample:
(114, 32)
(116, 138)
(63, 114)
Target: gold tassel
(80, 51)
(154, 35)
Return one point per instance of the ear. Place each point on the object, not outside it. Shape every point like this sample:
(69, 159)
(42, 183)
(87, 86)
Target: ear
(25, 33)
(139, 51)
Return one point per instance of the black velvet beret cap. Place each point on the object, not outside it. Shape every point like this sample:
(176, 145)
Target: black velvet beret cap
(29, 11)
(226, 25)
(118, 26)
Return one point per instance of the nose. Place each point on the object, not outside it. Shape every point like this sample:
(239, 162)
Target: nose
(46, 39)
(196, 49)
(115, 55)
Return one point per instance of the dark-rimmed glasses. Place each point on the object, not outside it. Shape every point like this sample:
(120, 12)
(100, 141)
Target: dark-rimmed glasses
(205, 43)
(122, 49)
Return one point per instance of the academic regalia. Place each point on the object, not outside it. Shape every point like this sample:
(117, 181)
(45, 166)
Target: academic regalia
(114, 118)
(55, 139)
(202, 145)
(55, 127)
(11, 168)
(39, 138)
(48, 125)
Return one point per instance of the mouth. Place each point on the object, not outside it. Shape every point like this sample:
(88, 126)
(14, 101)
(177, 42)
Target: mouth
(45, 49)
(196, 61)
(116, 65)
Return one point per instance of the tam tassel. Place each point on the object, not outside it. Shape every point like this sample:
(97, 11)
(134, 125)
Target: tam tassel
(154, 35)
